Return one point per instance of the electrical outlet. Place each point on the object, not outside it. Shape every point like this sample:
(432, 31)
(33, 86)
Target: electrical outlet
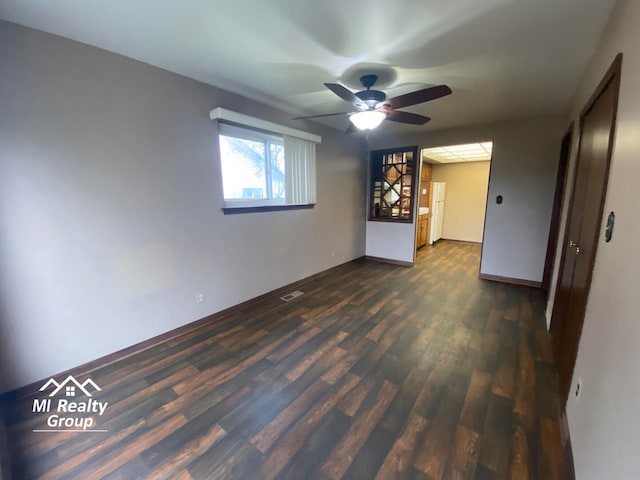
(199, 297)
(578, 390)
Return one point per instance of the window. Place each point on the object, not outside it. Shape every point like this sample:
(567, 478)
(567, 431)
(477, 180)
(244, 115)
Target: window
(252, 193)
(266, 166)
(252, 165)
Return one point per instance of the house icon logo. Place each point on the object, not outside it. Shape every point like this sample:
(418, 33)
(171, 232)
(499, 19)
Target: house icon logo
(70, 384)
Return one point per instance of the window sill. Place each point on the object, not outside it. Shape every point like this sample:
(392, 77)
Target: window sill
(265, 208)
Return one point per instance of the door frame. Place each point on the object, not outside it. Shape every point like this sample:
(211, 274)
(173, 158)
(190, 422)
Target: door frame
(613, 74)
(566, 147)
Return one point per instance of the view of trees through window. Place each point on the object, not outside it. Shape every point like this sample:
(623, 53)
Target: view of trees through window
(252, 169)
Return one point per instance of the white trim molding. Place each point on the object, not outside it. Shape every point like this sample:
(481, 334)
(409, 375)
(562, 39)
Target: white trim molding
(242, 119)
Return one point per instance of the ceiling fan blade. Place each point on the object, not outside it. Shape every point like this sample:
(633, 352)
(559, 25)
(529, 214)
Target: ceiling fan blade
(344, 93)
(419, 96)
(320, 115)
(406, 117)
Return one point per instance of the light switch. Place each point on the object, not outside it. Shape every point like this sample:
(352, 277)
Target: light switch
(424, 191)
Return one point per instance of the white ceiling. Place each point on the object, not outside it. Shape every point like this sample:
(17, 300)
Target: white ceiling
(503, 59)
(468, 152)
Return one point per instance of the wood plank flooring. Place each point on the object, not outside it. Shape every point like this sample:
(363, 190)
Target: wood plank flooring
(376, 372)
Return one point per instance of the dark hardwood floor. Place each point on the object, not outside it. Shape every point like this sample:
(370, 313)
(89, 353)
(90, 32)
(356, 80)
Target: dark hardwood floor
(376, 372)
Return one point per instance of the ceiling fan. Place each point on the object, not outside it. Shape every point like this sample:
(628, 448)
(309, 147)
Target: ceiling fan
(372, 106)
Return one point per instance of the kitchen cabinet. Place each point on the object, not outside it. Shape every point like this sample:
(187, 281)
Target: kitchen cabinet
(423, 230)
(425, 185)
(426, 172)
(424, 196)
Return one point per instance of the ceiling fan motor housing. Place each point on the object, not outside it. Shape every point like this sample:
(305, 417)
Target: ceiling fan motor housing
(371, 97)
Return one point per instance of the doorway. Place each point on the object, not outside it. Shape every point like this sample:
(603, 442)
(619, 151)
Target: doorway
(452, 193)
(597, 127)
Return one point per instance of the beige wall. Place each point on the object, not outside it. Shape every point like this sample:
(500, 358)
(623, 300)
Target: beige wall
(110, 206)
(604, 422)
(466, 198)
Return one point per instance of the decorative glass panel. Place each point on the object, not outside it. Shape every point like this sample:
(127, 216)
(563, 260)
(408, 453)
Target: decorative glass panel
(392, 184)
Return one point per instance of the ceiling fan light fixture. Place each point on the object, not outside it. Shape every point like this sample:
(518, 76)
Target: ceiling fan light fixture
(367, 120)
(372, 106)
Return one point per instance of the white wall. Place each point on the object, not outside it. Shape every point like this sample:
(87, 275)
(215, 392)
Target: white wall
(465, 199)
(110, 206)
(604, 423)
(523, 170)
(391, 241)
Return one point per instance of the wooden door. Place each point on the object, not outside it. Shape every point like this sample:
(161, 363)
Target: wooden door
(597, 123)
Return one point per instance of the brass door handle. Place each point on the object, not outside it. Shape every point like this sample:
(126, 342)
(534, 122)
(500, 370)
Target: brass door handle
(574, 244)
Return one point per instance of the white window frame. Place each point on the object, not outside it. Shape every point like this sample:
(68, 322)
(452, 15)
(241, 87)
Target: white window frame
(267, 139)
(253, 129)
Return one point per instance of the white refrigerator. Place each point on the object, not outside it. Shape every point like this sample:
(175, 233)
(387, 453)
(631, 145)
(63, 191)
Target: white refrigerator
(437, 211)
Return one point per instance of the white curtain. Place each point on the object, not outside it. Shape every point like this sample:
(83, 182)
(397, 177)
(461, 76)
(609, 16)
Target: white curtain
(300, 170)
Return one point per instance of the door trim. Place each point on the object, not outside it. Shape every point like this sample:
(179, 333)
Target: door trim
(615, 70)
(558, 202)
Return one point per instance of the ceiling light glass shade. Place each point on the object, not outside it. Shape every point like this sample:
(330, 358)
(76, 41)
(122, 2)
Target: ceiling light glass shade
(367, 120)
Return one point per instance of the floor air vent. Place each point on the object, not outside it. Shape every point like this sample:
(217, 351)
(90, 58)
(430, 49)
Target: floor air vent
(291, 296)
